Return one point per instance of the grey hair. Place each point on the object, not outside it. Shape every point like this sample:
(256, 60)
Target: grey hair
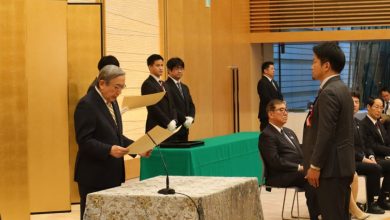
(109, 72)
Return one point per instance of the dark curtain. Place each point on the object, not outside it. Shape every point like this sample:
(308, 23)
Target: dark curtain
(370, 67)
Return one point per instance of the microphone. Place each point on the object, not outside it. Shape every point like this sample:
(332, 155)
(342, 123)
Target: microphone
(166, 190)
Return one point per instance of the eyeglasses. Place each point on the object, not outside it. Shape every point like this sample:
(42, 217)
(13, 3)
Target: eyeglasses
(119, 87)
(377, 107)
(282, 110)
(178, 68)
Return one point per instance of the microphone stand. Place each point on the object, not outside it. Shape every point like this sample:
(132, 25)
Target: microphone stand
(166, 190)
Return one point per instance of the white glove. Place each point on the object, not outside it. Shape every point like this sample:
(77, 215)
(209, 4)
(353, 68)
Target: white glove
(172, 125)
(188, 122)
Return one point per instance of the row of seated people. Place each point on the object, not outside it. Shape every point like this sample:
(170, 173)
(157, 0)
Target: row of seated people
(280, 149)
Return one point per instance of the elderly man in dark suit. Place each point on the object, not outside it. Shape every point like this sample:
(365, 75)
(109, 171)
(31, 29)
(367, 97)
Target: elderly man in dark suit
(181, 97)
(102, 145)
(375, 137)
(282, 154)
(328, 135)
(162, 113)
(366, 163)
(268, 89)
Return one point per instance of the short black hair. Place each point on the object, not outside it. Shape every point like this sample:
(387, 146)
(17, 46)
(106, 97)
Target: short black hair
(107, 60)
(265, 65)
(175, 62)
(371, 100)
(152, 58)
(332, 53)
(384, 89)
(355, 94)
(271, 106)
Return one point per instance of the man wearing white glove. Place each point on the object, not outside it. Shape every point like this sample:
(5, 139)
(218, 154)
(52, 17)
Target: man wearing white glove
(172, 125)
(188, 122)
(181, 97)
(162, 113)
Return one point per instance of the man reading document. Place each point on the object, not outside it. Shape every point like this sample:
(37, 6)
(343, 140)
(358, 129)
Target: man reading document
(99, 135)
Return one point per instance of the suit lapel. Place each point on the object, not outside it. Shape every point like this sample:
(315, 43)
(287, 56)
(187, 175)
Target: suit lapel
(176, 89)
(155, 84)
(118, 116)
(283, 138)
(373, 128)
(294, 140)
(104, 109)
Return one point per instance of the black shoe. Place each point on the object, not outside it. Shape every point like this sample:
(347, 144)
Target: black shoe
(384, 205)
(375, 209)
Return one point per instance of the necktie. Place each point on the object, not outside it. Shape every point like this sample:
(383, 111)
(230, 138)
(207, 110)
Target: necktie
(285, 135)
(274, 84)
(161, 84)
(111, 109)
(180, 89)
(379, 130)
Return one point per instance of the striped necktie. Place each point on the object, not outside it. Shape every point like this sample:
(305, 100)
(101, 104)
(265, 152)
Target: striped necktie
(111, 109)
(387, 109)
(379, 130)
(285, 135)
(180, 89)
(161, 84)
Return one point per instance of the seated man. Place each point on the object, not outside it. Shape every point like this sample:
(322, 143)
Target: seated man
(374, 137)
(283, 156)
(365, 163)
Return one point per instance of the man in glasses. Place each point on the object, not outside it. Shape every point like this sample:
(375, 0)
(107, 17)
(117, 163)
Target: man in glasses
(375, 137)
(181, 97)
(99, 135)
(282, 154)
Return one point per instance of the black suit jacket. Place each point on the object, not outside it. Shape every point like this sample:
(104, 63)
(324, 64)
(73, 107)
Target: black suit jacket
(183, 104)
(96, 132)
(373, 140)
(328, 142)
(266, 92)
(162, 112)
(279, 155)
(360, 149)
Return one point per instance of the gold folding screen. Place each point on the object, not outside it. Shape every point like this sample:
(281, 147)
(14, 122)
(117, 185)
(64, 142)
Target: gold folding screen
(14, 197)
(84, 52)
(281, 15)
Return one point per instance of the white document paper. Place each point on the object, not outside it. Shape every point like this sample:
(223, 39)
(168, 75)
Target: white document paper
(131, 102)
(151, 139)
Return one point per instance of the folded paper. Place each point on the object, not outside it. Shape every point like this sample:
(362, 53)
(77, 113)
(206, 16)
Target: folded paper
(151, 139)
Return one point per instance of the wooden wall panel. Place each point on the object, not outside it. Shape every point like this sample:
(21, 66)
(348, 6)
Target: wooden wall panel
(132, 34)
(47, 123)
(189, 37)
(222, 57)
(211, 40)
(84, 52)
(14, 199)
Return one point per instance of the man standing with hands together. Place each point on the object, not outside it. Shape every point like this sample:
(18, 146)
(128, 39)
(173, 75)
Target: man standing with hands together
(181, 97)
(328, 135)
(163, 112)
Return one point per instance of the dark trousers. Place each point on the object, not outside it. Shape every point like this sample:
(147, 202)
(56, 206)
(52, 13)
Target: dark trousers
(373, 173)
(333, 196)
(83, 192)
(297, 179)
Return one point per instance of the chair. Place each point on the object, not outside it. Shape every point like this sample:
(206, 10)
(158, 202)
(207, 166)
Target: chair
(297, 190)
(295, 198)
